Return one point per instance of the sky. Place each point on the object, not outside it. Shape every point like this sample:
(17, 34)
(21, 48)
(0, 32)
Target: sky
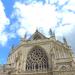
(20, 17)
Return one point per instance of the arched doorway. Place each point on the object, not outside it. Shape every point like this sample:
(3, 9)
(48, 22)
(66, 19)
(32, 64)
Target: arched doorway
(37, 60)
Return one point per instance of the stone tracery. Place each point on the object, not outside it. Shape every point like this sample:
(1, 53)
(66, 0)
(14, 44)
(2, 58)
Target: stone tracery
(37, 60)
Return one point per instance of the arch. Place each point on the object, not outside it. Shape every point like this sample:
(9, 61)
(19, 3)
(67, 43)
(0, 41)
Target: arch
(37, 59)
(63, 68)
(63, 71)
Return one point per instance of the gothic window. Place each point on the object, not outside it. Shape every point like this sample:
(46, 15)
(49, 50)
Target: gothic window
(37, 60)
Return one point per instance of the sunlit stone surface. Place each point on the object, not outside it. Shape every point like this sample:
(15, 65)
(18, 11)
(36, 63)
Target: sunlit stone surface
(40, 55)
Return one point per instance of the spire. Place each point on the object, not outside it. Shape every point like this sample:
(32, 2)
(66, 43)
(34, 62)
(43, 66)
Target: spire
(52, 34)
(37, 30)
(12, 47)
(25, 36)
(64, 40)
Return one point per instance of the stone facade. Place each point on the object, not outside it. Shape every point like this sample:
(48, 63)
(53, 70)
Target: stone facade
(40, 56)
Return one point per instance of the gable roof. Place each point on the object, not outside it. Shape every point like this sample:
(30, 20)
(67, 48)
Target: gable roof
(37, 35)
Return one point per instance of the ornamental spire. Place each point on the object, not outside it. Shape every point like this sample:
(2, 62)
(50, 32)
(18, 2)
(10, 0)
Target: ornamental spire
(51, 33)
(64, 40)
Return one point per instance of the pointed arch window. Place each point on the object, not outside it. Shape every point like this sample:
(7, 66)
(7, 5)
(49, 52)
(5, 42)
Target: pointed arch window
(37, 60)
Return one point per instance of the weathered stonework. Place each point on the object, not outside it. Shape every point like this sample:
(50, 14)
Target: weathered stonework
(40, 56)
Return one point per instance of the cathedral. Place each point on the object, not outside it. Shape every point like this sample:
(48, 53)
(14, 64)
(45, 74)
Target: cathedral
(40, 55)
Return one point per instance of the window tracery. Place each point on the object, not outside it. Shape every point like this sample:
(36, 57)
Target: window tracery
(63, 68)
(64, 71)
(37, 60)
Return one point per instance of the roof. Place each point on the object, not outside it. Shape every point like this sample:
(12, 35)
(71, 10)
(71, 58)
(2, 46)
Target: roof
(37, 35)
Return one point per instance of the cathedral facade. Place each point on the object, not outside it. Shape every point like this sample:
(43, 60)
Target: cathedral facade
(40, 55)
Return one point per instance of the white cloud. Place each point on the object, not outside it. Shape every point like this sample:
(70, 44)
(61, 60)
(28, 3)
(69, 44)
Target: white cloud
(3, 38)
(21, 32)
(3, 22)
(69, 18)
(3, 19)
(61, 2)
(36, 15)
(70, 5)
(63, 30)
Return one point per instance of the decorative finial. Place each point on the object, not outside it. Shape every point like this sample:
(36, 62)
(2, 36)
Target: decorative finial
(12, 47)
(52, 34)
(64, 40)
(25, 36)
(36, 30)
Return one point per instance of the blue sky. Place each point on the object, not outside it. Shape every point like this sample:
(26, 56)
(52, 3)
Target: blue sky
(18, 17)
